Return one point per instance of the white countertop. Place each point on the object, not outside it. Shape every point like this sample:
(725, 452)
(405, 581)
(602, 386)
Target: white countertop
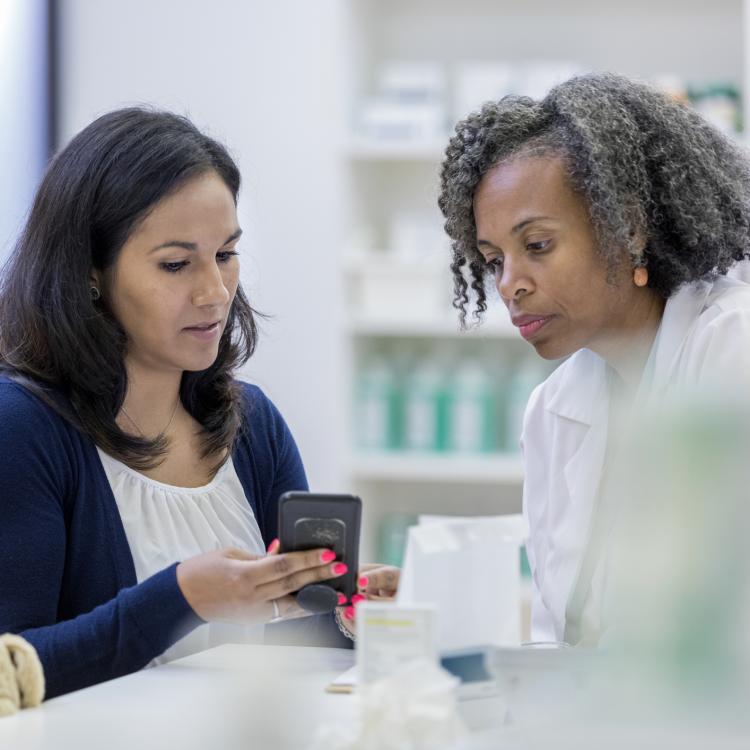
(241, 697)
(233, 696)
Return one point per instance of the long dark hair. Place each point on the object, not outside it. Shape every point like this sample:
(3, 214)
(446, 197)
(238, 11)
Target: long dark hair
(65, 346)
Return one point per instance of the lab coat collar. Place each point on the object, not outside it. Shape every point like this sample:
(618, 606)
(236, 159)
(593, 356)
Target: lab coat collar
(680, 315)
(581, 388)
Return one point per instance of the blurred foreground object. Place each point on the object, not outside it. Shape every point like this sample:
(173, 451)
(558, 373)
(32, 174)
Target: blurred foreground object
(414, 708)
(680, 578)
(672, 667)
(21, 675)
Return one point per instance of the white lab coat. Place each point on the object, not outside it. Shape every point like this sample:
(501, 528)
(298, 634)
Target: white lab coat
(704, 337)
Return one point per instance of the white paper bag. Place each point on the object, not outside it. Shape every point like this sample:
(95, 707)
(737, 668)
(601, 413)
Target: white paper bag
(469, 569)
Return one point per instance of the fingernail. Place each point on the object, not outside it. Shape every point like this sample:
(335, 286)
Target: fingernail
(342, 599)
(349, 613)
(339, 569)
(327, 556)
(363, 581)
(357, 598)
(274, 545)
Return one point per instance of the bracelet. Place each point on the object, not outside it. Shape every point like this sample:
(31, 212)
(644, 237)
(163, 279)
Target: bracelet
(342, 628)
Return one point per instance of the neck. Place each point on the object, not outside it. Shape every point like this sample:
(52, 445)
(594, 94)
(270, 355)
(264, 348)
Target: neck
(626, 349)
(151, 400)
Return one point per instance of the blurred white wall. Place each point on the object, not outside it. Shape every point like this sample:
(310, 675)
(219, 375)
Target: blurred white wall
(23, 111)
(264, 78)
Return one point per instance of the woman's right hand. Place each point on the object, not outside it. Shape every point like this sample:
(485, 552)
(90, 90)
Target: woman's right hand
(232, 585)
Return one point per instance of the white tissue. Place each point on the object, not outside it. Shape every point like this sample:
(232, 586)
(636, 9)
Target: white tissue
(413, 709)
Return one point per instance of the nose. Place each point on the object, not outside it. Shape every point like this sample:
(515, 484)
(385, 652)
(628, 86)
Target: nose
(209, 289)
(512, 281)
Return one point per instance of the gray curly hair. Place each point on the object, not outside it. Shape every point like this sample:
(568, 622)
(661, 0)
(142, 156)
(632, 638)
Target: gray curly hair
(647, 167)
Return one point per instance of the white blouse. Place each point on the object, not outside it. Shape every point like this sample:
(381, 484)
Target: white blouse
(164, 524)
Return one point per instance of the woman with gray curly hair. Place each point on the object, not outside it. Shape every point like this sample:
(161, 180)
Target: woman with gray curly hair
(607, 217)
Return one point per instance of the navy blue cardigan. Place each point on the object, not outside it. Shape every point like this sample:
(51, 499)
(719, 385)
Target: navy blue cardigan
(67, 580)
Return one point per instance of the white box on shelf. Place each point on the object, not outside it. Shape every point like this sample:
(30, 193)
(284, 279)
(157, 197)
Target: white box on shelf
(537, 77)
(423, 81)
(384, 287)
(419, 237)
(389, 119)
(478, 82)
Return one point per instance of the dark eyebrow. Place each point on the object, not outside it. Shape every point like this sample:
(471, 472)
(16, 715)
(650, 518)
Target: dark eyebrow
(191, 245)
(516, 229)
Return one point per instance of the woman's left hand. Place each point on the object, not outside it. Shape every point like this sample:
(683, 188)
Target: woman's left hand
(376, 582)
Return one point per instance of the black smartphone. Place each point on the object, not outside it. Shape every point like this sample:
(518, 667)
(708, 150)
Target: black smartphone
(308, 520)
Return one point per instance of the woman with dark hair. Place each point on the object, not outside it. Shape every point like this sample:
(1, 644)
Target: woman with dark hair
(607, 217)
(138, 480)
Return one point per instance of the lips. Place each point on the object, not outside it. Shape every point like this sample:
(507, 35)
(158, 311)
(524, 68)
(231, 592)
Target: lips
(204, 332)
(203, 326)
(529, 325)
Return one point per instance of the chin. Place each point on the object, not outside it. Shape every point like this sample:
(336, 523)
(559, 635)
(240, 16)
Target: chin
(198, 364)
(551, 350)
(195, 367)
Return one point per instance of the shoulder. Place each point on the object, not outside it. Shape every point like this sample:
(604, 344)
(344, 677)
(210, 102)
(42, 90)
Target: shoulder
(724, 314)
(23, 410)
(730, 294)
(262, 422)
(257, 407)
(708, 323)
(34, 439)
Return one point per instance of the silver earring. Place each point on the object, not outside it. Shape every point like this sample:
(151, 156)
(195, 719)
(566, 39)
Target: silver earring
(95, 293)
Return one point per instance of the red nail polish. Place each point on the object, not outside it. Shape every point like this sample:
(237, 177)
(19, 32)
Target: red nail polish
(363, 581)
(274, 545)
(357, 598)
(349, 613)
(327, 556)
(342, 599)
(339, 569)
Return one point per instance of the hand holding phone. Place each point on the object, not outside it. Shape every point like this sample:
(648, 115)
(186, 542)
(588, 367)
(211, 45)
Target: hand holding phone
(310, 520)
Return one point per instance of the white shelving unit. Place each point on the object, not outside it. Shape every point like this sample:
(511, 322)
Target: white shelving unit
(492, 468)
(386, 178)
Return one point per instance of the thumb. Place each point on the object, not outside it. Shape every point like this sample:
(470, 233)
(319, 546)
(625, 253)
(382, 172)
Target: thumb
(274, 547)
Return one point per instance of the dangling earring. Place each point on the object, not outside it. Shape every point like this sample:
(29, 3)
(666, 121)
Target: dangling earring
(95, 293)
(640, 276)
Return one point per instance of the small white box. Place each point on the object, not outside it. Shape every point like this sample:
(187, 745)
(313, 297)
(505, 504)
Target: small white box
(391, 635)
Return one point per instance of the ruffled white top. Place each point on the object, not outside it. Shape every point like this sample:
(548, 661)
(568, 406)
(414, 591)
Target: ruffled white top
(164, 524)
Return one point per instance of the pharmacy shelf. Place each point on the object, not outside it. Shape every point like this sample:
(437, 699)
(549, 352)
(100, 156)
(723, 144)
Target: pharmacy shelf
(439, 328)
(496, 468)
(364, 149)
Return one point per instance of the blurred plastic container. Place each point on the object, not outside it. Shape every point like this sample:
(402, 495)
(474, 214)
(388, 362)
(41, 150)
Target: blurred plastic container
(424, 407)
(520, 385)
(376, 406)
(471, 406)
(392, 534)
(719, 103)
